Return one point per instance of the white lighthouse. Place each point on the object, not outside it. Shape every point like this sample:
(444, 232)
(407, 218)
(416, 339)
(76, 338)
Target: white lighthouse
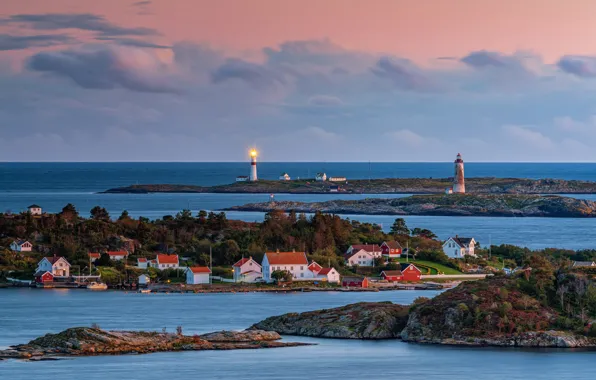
(253, 165)
(459, 185)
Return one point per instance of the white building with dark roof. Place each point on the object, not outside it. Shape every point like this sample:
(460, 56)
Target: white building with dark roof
(34, 209)
(21, 246)
(459, 247)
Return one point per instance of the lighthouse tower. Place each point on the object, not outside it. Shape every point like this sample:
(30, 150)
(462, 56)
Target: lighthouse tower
(253, 165)
(459, 185)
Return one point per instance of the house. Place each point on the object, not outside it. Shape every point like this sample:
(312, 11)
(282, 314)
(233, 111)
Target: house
(391, 249)
(117, 255)
(165, 261)
(247, 270)
(329, 275)
(322, 177)
(374, 249)
(284, 177)
(21, 246)
(242, 178)
(293, 262)
(337, 179)
(41, 277)
(57, 266)
(583, 264)
(142, 262)
(407, 272)
(198, 275)
(144, 280)
(458, 247)
(355, 282)
(334, 189)
(361, 258)
(34, 209)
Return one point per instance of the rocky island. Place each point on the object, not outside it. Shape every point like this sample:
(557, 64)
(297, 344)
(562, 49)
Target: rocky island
(518, 205)
(501, 311)
(480, 185)
(87, 341)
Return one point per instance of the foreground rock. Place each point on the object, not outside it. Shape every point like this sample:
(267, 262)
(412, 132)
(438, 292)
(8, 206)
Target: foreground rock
(85, 341)
(364, 320)
(446, 205)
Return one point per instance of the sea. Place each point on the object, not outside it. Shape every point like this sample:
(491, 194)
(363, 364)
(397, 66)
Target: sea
(28, 313)
(53, 185)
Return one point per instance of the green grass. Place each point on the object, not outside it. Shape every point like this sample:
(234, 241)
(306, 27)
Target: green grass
(435, 268)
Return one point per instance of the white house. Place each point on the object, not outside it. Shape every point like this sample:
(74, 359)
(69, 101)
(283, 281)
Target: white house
(579, 264)
(242, 178)
(164, 261)
(458, 247)
(56, 265)
(142, 262)
(360, 257)
(144, 280)
(293, 262)
(197, 275)
(321, 177)
(338, 179)
(21, 246)
(247, 270)
(284, 177)
(325, 274)
(117, 255)
(374, 249)
(34, 209)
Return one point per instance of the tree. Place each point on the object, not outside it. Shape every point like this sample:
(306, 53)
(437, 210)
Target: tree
(124, 215)
(100, 213)
(281, 275)
(399, 227)
(423, 232)
(104, 261)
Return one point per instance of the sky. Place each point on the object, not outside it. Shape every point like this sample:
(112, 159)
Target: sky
(300, 80)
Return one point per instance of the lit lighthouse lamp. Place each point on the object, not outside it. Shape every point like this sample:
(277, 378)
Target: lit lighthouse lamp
(253, 165)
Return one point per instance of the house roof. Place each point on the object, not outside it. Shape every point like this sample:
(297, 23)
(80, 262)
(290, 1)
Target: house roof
(94, 255)
(584, 264)
(54, 259)
(392, 244)
(314, 266)
(199, 269)
(162, 258)
(286, 258)
(462, 242)
(352, 279)
(144, 275)
(21, 242)
(241, 262)
(356, 251)
(366, 247)
(142, 259)
(405, 266)
(34, 206)
(117, 253)
(325, 271)
(392, 273)
(41, 273)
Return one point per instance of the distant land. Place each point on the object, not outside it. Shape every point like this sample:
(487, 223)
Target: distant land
(506, 205)
(484, 185)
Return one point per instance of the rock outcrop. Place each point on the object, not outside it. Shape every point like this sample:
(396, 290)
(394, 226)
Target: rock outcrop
(364, 320)
(505, 205)
(85, 341)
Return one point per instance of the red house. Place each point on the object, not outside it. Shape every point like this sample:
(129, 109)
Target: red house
(392, 275)
(355, 282)
(408, 272)
(391, 249)
(41, 277)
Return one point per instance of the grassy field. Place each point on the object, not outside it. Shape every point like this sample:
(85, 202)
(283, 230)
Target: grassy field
(434, 268)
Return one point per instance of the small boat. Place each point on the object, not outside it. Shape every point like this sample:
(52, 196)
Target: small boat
(145, 291)
(97, 286)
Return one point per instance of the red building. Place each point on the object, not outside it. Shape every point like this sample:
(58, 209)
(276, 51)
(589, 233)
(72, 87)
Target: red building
(391, 249)
(407, 273)
(41, 277)
(355, 282)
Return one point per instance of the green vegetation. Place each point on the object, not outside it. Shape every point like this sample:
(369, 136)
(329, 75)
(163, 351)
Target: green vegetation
(431, 267)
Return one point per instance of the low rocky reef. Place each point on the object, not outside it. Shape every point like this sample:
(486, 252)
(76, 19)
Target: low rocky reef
(504, 205)
(492, 312)
(86, 341)
(479, 185)
(365, 320)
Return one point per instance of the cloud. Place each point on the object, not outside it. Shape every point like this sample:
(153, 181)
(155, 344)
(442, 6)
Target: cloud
(134, 42)
(82, 21)
(106, 68)
(10, 42)
(490, 60)
(525, 135)
(580, 66)
(325, 101)
(402, 73)
(406, 136)
(141, 3)
(259, 76)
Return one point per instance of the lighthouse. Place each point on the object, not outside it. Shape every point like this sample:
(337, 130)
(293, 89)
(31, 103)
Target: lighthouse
(459, 185)
(253, 165)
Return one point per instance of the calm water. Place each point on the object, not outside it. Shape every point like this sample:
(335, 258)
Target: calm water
(27, 313)
(52, 185)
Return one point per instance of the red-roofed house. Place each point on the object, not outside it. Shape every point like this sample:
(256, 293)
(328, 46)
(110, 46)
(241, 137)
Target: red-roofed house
(293, 262)
(247, 270)
(164, 261)
(391, 249)
(408, 272)
(117, 255)
(325, 274)
(198, 275)
(142, 262)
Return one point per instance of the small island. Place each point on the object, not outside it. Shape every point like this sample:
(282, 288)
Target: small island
(89, 341)
(501, 205)
(481, 185)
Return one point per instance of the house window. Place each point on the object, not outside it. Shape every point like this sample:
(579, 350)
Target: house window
(291, 268)
(301, 274)
(301, 268)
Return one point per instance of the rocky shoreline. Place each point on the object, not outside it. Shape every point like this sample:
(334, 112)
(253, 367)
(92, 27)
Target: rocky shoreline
(505, 205)
(376, 186)
(87, 341)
